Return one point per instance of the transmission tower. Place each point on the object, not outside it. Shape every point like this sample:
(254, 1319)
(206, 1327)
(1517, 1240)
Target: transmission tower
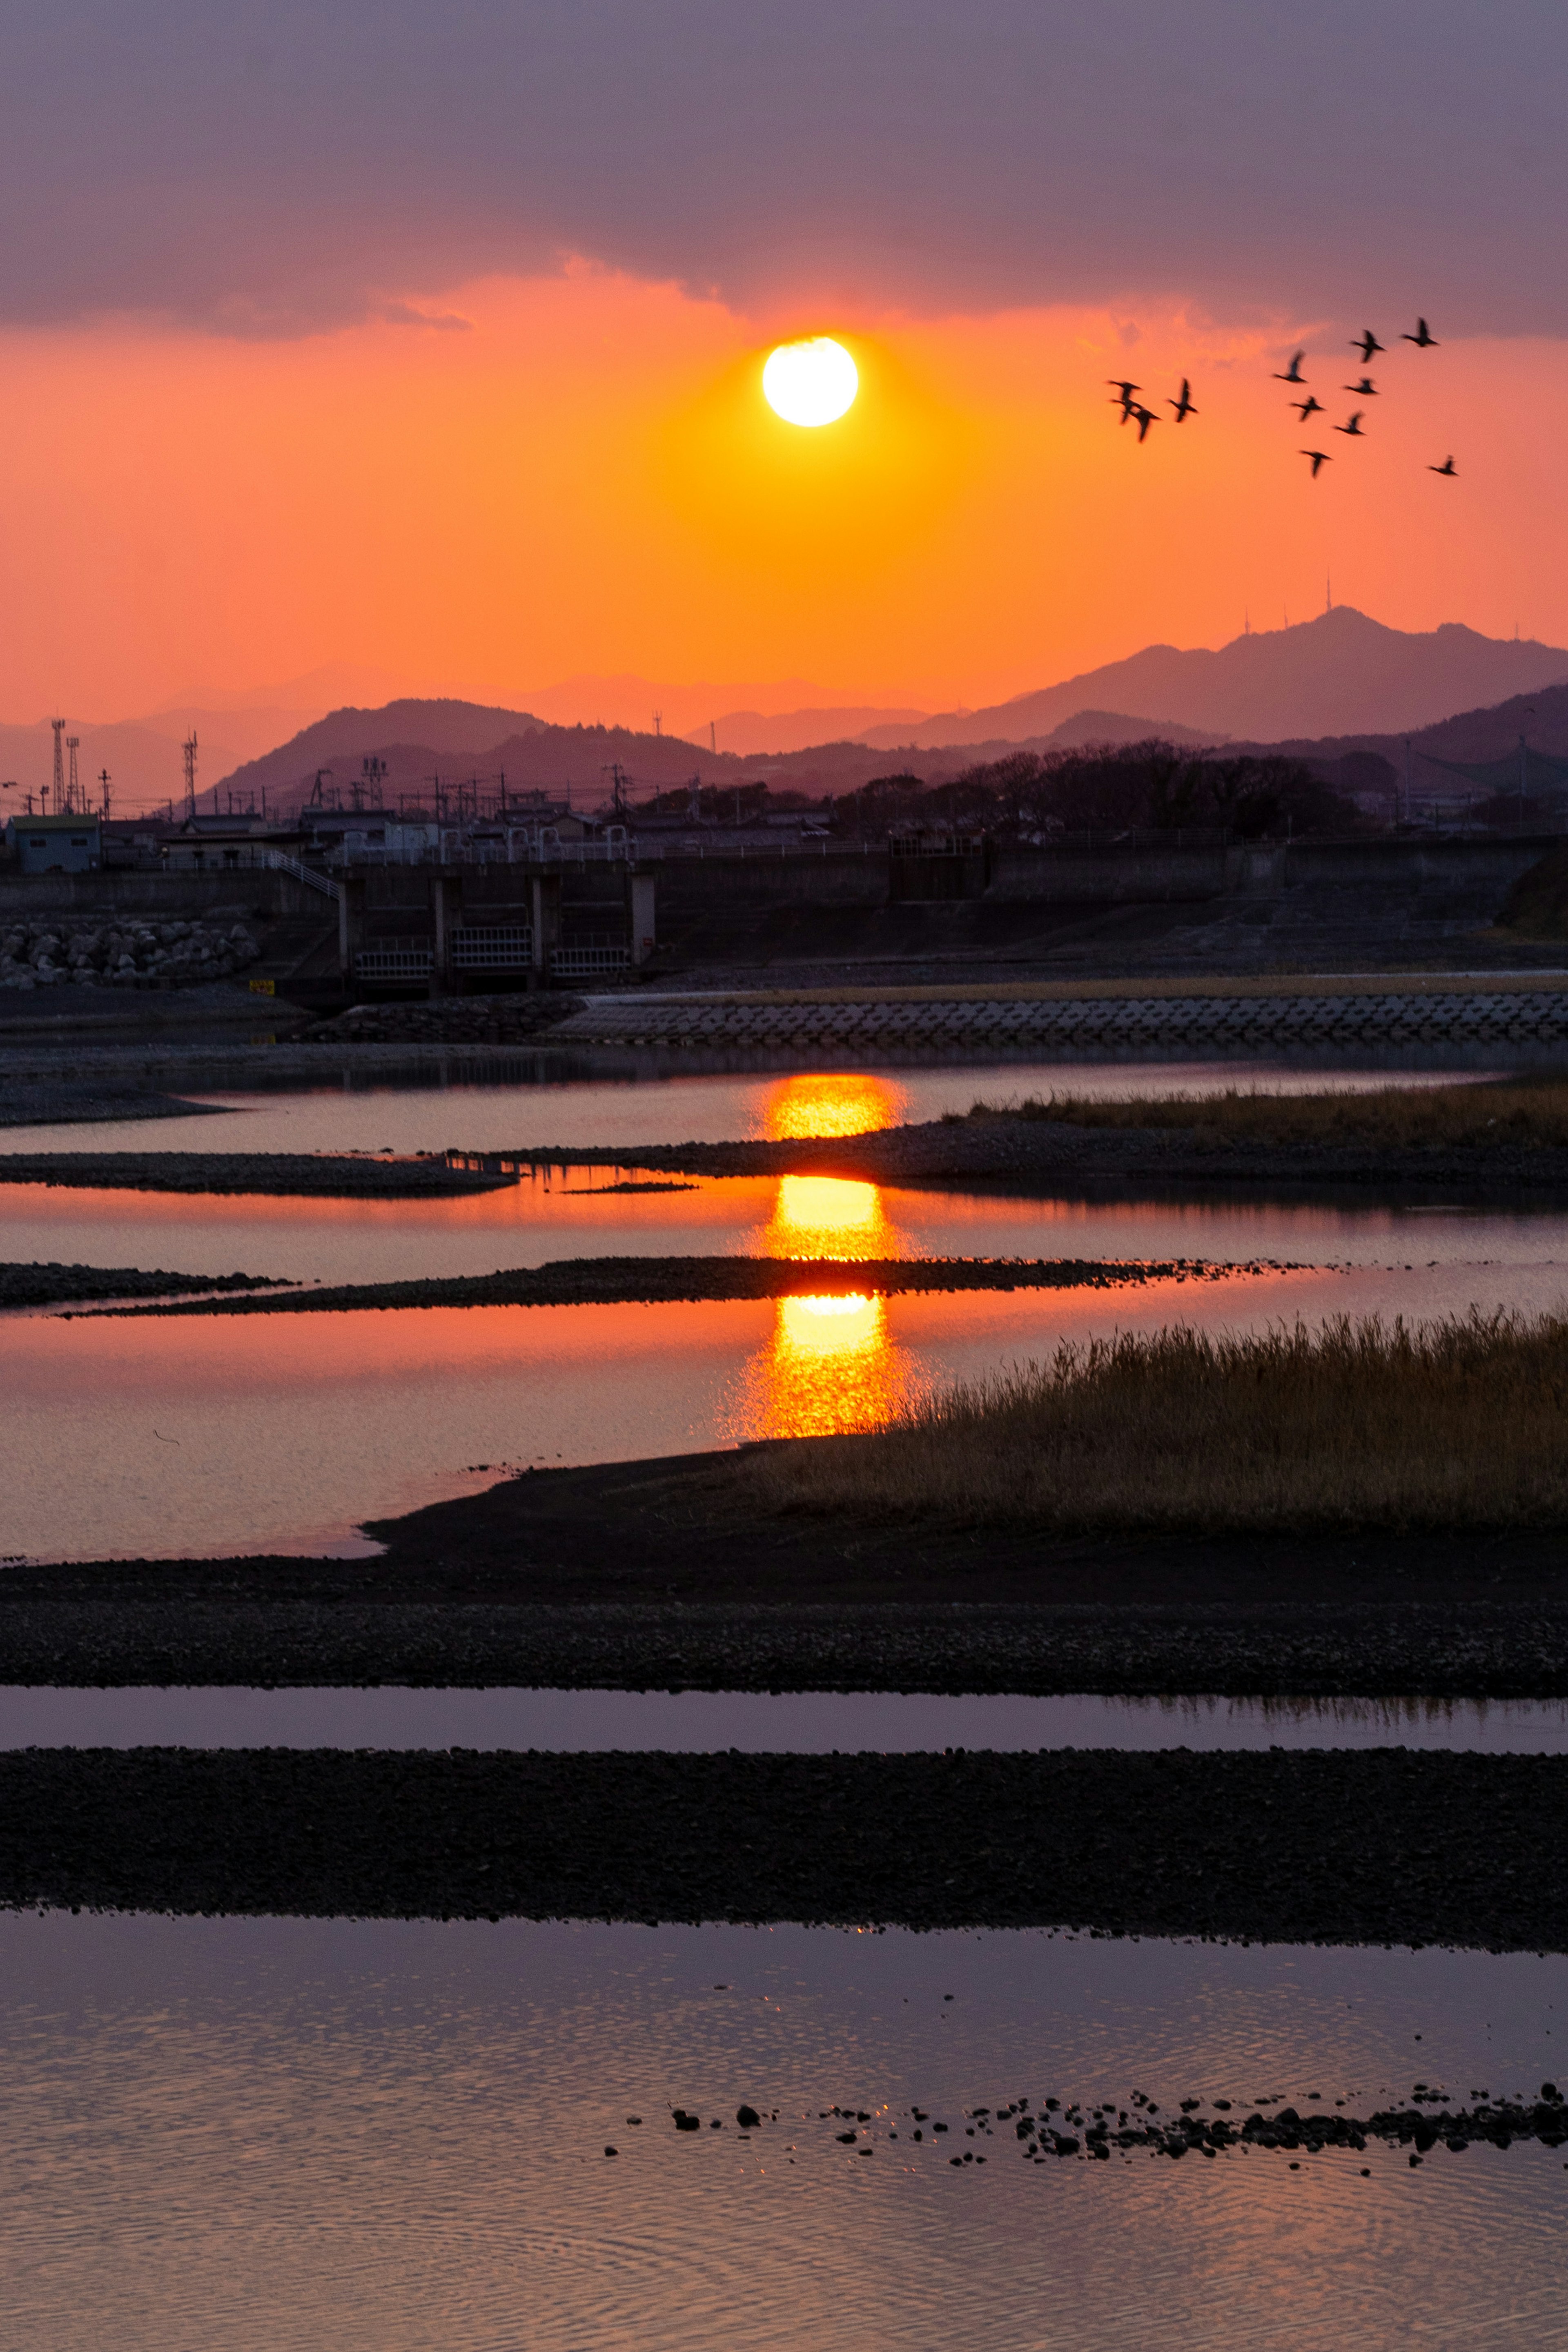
(59, 786)
(188, 753)
(73, 786)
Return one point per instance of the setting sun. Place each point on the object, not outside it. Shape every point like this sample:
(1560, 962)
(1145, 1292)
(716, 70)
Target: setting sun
(811, 383)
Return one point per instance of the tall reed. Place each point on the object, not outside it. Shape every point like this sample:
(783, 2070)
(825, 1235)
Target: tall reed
(1357, 1424)
(1399, 1118)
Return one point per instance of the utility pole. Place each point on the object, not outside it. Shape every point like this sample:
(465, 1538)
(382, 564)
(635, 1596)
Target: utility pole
(103, 787)
(188, 754)
(1409, 804)
(59, 787)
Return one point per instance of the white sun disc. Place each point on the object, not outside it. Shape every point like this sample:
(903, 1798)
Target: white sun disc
(811, 383)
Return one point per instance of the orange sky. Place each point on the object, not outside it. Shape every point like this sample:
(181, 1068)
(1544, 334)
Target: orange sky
(583, 478)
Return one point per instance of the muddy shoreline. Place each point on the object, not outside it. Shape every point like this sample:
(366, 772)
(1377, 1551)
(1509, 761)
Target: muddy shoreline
(605, 1281)
(233, 1636)
(36, 1285)
(1043, 1155)
(278, 1174)
(1374, 1847)
(1028, 1156)
(667, 1575)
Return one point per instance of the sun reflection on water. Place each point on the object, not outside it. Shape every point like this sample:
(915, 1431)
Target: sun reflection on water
(830, 1366)
(830, 1102)
(829, 1216)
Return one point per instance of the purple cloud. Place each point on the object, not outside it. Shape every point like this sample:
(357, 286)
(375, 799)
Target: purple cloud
(275, 169)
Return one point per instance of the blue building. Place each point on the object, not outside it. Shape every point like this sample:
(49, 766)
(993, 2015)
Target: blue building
(54, 844)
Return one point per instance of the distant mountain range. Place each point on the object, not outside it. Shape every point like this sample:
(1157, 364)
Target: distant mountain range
(417, 740)
(1490, 733)
(1337, 684)
(1340, 673)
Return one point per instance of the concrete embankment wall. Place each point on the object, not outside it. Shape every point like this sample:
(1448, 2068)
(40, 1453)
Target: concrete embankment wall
(1479, 866)
(157, 897)
(1112, 1025)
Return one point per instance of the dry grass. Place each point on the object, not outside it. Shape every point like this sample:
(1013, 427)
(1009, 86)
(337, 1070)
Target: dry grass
(1358, 1425)
(1391, 1118)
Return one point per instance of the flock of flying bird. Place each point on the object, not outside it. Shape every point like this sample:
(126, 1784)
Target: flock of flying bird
(1133, 412)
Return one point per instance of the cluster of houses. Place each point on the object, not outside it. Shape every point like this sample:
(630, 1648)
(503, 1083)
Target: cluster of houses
(529, 829)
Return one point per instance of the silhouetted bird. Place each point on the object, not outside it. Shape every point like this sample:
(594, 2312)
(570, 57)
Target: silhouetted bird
(1423, 339)
(1353, 427)
(1293, 373)
(1366, 344)
(1364, 390)
(1184, 408)
(1146, 417)
(1124, 393)
(1308, 407)
(1448, 467)
(1318, 456)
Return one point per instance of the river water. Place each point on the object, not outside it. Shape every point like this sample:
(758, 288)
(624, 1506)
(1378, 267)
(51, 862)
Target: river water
(758, 1723)
(153, 1436)
(226, 2134)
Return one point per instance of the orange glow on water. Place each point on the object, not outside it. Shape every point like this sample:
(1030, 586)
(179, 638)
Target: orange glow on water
(831, 1365)
(828, 1103)
(829, 1216)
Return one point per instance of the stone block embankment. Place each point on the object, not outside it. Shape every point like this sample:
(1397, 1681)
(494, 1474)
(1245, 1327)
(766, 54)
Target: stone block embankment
(54, 951)
(1118, 1025)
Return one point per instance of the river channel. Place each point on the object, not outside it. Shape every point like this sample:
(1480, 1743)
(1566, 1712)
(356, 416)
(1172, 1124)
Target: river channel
(388, 2135)
(381, 2135)
(284, 1433)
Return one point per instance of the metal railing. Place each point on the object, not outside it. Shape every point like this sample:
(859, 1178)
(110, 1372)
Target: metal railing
(400, 960)
(717, 843)
(936, 845)
(279, 862)
(491, 947)
(588, 962)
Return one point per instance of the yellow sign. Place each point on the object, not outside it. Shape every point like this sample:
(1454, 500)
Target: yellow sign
(264, 988)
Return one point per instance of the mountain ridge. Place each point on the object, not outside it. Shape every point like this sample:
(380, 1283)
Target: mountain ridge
(1339, 674)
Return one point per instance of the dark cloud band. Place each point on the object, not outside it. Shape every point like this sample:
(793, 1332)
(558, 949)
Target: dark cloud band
(275, 169)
